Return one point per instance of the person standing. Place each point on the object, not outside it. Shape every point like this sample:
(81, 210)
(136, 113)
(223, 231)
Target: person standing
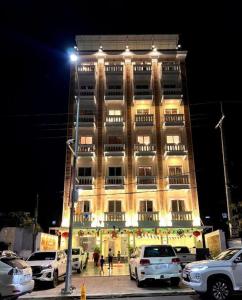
(102, 261)
(110, 258)
(96, 258)
(119, 257)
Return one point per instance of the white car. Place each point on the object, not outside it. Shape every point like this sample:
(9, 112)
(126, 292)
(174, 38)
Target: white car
(48, 266)
(217, 278)
(155, 262)
(15, 277)
(79, 259)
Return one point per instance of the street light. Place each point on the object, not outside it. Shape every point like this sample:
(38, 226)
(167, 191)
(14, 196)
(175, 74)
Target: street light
(74, 195)
(226, 177)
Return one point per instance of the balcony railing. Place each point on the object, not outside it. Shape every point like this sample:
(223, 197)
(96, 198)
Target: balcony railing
(112, 120)
(179, 180)
(87, 93)
(146, 180)
(148, 216)
(174, 120)
(144, 120)
(142, 94)
(172, 93)
(114, 180)
(83, 217)
(144, 147)
(85, 180)
(181, 215)
(114, 147)
(114, 216)
(86, 148)
(114, 95)
(86, 68)
(175, 149)
(114, 68)
(142, 68)
(87, 119)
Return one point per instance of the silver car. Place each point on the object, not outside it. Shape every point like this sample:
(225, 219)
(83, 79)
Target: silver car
(15, 276)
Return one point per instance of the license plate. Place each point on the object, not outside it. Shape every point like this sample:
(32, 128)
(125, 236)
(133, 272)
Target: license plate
(161, 266)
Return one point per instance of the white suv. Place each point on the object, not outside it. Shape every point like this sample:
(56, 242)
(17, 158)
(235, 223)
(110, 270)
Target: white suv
(79, 259)
(217, 278)
(48, 266)
(155, 262)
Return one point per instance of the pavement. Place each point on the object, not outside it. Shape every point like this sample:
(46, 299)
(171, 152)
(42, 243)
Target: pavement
(114, 283)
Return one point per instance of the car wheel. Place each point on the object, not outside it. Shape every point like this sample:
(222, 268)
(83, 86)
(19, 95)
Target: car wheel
(175, 281)
(55, 279)
(80, 269)
(130, 274)
(138, 283)
(219, 289)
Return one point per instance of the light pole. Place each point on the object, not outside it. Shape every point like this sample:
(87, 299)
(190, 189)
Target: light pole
(226, 177)
(68, 287)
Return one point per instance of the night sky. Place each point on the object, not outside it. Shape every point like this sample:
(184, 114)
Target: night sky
(35, 38)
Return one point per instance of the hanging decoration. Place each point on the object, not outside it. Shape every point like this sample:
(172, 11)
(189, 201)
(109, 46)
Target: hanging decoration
(65, 234)
(180, 232)
(139, 232)
(196, 233)
(80, 233)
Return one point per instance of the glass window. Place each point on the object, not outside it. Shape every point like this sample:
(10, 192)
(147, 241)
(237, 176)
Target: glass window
(143, 139)
(83, 206)
(159, 251)
(175, 170)
(113, 139)
(114, 112)
(85, 140)
(173, 139)
(143, 111)
(171, 111)
(146, 206)
(114, 206)
(177, 205)
(85, 171)
(115, 171)
(145, 171)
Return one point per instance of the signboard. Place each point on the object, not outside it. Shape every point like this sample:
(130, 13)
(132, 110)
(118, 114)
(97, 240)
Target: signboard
(45, 241)
(215, 241)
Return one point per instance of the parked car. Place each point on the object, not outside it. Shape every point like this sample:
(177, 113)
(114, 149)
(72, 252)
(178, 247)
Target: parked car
(15, 276)
(155, 262)
(79, 259)
(185, 255)
(219, 277)
(48, 266)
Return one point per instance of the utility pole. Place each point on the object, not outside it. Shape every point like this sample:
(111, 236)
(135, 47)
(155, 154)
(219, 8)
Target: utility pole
(225, 167)
(68, 281)
(36, 210)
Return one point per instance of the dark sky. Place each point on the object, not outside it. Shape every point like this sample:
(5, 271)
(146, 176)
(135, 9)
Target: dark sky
(35, 37)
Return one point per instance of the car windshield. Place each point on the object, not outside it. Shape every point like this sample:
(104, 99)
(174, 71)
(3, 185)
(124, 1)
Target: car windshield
(15, 262)
(227, 254)
(42, 256)
(159, 251)
(75, 251)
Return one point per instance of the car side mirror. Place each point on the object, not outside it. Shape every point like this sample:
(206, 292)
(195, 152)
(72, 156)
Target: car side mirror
(238, 260)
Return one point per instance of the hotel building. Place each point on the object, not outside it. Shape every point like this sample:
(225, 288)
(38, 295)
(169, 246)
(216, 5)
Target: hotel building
(135, 168)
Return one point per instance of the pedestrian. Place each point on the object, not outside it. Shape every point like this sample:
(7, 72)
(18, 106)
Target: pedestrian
(102, 261)
(110, 258)
(95, 258)
(119, 257)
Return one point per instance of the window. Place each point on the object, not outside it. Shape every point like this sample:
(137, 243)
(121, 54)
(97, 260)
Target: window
(143, 111)
(173, 139)
(175, 170)
(113, 139)
(159, 251)
(143, 139)
(115, 171)
(146, 206)
(83, 206)
(171, 111)
(177, 205)
(85, 171)
(114, 206)
(87, 87)
(145, 171)
(114, 112)
(86, 140)
(114, 87)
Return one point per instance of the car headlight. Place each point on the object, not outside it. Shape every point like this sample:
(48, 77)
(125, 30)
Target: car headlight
(46, 267)
(197, 269)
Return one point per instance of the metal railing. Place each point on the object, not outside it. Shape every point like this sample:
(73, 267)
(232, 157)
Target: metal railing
(114, 68)
(174, 91)
(114, 180)
(114, 119)
(114, 93)
(114, 216)
(178, 179)
(145, 92)
(83, 217)
(181, 216)
(144, 147)
(114, 147)
(146, 118)
(146, 180)
(175, 147)
(87, 119)
(86, 148)
(148, 216)
(174, 118)
(85, 180)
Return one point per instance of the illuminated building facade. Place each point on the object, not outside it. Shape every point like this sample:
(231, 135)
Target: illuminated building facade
(136, 174)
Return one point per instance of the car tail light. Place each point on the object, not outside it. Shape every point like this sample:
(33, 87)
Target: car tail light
(15, 271)
(175, 260)
(144, 262)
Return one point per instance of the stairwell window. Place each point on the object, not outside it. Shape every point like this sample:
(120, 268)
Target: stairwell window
(173, 139)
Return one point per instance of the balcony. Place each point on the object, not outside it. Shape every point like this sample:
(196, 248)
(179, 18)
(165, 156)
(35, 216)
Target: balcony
(142, 68)
(86, 150)
(177, 182)
(114, 121)
(114, 149)
(170, 69)
(114, 95)
(148, 219)
(86, 121)
(143, 94)
(175, 150)
(83, 220)
(144, 120)
(172, 93)
(144, 150)
(86, 95)
(85, 182)
(181, 218)
(114, 182)
(174, 120)
(116, 219)
(146, 182)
